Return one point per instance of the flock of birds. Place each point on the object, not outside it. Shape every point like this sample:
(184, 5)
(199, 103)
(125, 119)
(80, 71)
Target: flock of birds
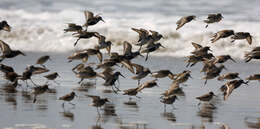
(147, 42)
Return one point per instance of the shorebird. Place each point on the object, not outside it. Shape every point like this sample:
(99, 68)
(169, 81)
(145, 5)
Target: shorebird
(223, 59)
(98, 101)
(168, 100)
(193, 59)
(78, 68)
(141, 72)
(43, 60)
(182, 77)
(5, 68)
(52, 76)
(37, 70)
(102, 43)
(144, 37)
(110, 81)
(127, 53)
(221, 34)
(11, 76)
(174, 89)
(201, 51)
(213, 18)
(7, 52)
(206, 98)
(252, 55)
(254, 77)
(131, 92)
(39, 90)
(27, 74)
(86, 73)
(151, 48)
(84, 35)
(163, 74)
(79, 56)
(94, 51)
(4, 26)
(242, 35)
(184, 20)
(228, 87)
(72, 27)
(68, 98)
(212, 73)
(228, 76)
(106, 64)
(155, 35)
(148, 84)
(91, 19)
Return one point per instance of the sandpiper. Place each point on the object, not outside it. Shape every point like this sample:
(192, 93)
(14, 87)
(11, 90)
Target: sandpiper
(86, 73)
(4, 26)
(184, 20)
(5, 68)
(223, 59)
(156, 36)
(206, 98)
(39, 90)
(144, 37)
(151, 48)
(127, 53)
(72, 27)
(37, 70)
(228, 76)
(252, 55)
(182, 77)
(222, 34)
(11, 76)
(98, 101)
(213, 72)
(163, 73)
(213, 18)
(7, 52)
(131, 92)
(102, 43)
(52, 76)
(168, 100)
(254, 77)
(228, 87)
(174, 89)
(148, 84)
(27, 74)
(79, 56)
(84, 35)
(43, 60)
(94, 51)
(242, 35)
(91, 19)
(110, 81)
(141, 72)
(201, 51)
(68, 98)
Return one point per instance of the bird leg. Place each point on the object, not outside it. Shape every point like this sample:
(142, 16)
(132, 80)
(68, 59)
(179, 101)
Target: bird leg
(76, 42)
(56, 82)
(199, 103)
(146, 56)
(164, 107)
(98, 112)
(173, 108)
(138, 97)
(72, 103)
(114, 90)
(81, 80)
(205, 82)
(188, 65)
(43, 65)
(207, 26)
(34, 83)
(63, 104)
(34, 99)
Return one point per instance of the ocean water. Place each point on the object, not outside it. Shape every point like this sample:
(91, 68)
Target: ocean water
(38, 25)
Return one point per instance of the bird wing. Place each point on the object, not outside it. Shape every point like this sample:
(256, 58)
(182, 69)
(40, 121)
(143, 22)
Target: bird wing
(5, 47)
(216, 37)
(229, 90)
(71, 24)
(180, 23)
(128, 65)
(94, 98)
(203, 96)
(127, 48)
(139, 68)
(88, 15)
(196, 46)
(249, 39)
(100, 57)
(211, 16)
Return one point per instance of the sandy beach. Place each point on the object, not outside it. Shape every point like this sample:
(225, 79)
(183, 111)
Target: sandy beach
(18, 111)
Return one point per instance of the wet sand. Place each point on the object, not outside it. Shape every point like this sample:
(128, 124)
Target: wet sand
(18, 111)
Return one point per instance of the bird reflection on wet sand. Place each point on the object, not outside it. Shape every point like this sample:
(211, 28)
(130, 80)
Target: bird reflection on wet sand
(67, 114)
(169, 116)
(252, 122)
(206, 112)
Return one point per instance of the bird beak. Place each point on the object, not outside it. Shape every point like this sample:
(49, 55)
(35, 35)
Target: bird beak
(233, 60)
(122, 75)
(246, 83)
(162, 46)
(23, 54)
(225, 68)
(103, 20)
(210, 50)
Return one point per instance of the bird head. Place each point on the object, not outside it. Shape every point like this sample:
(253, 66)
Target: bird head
(6, 27)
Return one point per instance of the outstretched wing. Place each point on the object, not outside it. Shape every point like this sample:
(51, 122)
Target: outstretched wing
(5, 47)
(127, 48)
(88, 15)
(196, 46)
